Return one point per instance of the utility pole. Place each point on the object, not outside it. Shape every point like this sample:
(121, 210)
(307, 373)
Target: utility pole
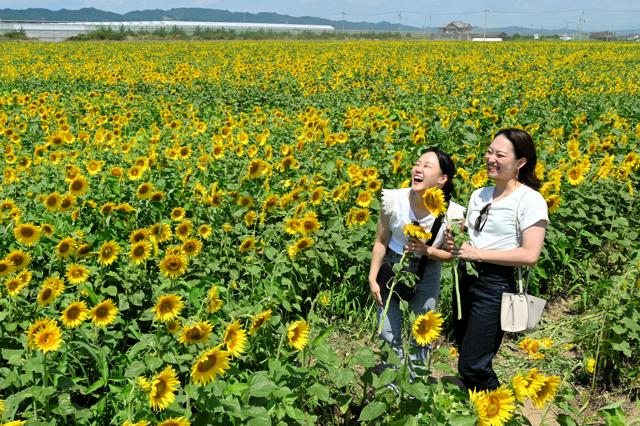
(484, 34)
(580, 23)
(342, 21)
(399, 21)
(429, 27)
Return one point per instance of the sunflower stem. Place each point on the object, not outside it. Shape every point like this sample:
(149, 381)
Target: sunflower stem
(45, 384)
(457, 287)
(386, 306)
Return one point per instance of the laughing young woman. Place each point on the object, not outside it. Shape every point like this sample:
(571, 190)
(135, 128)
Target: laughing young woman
(400, 207)
(506, 225)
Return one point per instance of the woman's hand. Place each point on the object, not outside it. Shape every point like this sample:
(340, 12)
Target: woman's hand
(416, 246)
(466, 252)
(374, 288)
(449, 242)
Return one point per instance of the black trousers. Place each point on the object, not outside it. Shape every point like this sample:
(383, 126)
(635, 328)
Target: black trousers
(478, 334)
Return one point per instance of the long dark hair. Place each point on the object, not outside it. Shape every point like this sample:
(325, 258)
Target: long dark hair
(446, 166)
(524, 148)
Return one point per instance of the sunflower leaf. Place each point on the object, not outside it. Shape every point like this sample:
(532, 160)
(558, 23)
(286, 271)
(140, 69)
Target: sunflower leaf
(372, 411)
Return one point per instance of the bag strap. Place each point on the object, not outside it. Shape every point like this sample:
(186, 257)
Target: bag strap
(435, 228)
(519, 240)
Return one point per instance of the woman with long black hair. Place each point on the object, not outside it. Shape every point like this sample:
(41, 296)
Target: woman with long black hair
(506, 225)
(434, 168)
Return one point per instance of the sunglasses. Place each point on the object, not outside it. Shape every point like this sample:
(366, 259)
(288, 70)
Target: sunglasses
(482, 218)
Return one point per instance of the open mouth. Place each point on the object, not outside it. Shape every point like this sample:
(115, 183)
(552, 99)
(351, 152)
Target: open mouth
(417, 179)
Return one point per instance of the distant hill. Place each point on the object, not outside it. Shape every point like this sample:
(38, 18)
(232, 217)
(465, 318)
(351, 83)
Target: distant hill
(191, 14)
(217, 15)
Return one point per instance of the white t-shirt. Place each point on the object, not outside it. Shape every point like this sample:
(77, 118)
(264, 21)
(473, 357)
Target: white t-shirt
(499, 231)
(396, 205)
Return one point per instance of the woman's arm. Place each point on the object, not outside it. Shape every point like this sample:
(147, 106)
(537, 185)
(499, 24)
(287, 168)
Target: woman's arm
(377, 255)
(526, 255)
(421, 248)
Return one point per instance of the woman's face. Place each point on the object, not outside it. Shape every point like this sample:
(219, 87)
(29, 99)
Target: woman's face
(426, 173)
(501, 160)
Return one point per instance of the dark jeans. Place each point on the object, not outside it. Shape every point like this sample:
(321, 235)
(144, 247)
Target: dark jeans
(478, 334)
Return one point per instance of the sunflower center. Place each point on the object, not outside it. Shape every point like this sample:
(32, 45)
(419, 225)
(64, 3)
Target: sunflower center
(138, 251)
(77, 273)
(207, 364)
(106, 251)
(76, 185)
(64, 247)
(102, 312)
(173, 265)
(73, 313)
(493, 408)
(194, 334)
(46, 293)
(26, 232)
(161, 387)
(166, 307)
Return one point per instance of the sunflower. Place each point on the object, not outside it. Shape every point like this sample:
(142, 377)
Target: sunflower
(173, 265)
(245, 202)
(292, 226)
(309, 223)
(160, 232)
(270, 202)
(67, 202)
(374, 185)
(298, 334)
(157, 196)
(78, 185)
(302, 244)
(191, 247)
(140, 423)
(247, 244)
(316, 196)
(107, 208)
(139, 235)
(108, 252)
(210, 364)
(144, 190)
(259, 320)
(553, 202)
(104, 313)
(175, 421)
(14, 286)
(205, 231)
(499, 406)
(178, 214)
(135, 173)
(184, 229)
(575, 175)
(364, 199)
(546, 392)
(173, 326)
(214, 300)
(52, 201)
(358, 217)
(34, 329)
(416, 231)
(83, 250)
(163, 387)
(6, 267)
(434, 201)
(250, 218)
(235, 338)
(66, 247)
(196, 333)
(74, 314)
(479, 404)
(51, 289)
(47, 229)
(27, 233)
(427, 327)
(167, 307)
(48, 338)
(140, 252)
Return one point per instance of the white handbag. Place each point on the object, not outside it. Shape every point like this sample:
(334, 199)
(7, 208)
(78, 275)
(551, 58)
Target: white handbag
(520, 311)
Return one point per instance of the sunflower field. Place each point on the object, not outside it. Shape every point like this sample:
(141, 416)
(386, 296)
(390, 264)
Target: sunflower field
(186, 227)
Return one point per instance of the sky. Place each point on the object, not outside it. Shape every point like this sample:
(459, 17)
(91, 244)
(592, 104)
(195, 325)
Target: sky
(547, 14)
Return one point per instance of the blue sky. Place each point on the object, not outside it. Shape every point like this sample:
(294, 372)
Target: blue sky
(612, 15)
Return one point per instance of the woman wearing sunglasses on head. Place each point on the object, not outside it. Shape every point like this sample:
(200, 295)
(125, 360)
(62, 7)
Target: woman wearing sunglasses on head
(400, 207)
(506, 224)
